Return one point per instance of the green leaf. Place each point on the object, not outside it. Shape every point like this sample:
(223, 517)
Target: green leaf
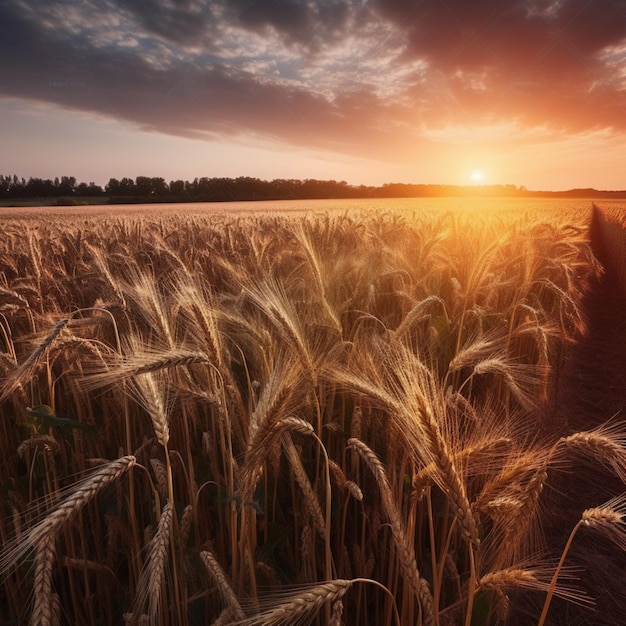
(43, 417)
(481, 611)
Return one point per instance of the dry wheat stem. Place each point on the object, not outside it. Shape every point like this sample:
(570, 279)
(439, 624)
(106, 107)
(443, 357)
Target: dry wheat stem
(418, 313)
(523, 515)
(425, 421)
(300, 605)
(160, 473)
(87, 565)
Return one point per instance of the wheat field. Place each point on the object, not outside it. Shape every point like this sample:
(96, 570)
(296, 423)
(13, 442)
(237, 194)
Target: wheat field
(324, 418)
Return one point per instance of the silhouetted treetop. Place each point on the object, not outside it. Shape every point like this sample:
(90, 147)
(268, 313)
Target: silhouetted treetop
(242, 188)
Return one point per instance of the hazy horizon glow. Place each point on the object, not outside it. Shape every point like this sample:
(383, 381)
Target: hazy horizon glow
(529, 92)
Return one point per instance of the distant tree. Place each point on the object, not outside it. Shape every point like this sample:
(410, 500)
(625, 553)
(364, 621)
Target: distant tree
(142, 186)
(127, 187)
(94, 190)
(67, 186)
(89, 190)
(159, 187)
(39, 188)
(178, 188)
(150, 187)
(5, 186)
(122, 187)
(112, 188)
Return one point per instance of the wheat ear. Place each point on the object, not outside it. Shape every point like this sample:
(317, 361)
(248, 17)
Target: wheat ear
(148, 392)
(158, 558)
(26, 369)
(224, 588)
(405, 550)
(153, 573)
(311, 501)
(448, 478)
(604, 445)
(79, 495)
(302, 605)
(256, 453)
(45, 608)
(510, 577)
(608, 518)
(146, 363)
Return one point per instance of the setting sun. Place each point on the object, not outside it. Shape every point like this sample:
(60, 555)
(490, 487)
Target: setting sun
(478, 177)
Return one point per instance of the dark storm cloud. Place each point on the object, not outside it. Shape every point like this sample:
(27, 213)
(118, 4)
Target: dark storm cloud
(548, 36)
(351, 76)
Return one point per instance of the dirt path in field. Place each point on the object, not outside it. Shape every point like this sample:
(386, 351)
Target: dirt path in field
(591, 391)
(592, 387)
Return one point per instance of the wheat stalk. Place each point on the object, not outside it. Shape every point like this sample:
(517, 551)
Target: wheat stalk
(337, 473)
(48, 442)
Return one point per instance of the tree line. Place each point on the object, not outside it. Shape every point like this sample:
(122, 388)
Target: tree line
(205, 189)
(155, 189)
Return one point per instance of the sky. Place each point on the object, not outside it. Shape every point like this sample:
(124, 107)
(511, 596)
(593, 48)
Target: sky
(528, 92)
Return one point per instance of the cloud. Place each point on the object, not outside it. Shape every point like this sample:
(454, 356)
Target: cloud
(182, 22)
(358, 77)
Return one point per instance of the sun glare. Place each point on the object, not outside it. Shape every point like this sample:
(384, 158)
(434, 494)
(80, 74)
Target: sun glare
(478, 177)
